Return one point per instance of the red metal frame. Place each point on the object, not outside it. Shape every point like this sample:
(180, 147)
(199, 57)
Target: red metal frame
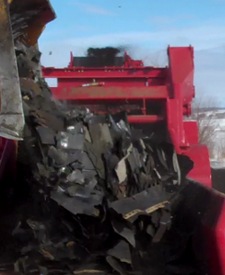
(133, 84)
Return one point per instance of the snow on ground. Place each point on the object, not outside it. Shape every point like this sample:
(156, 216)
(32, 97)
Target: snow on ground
(217, 164)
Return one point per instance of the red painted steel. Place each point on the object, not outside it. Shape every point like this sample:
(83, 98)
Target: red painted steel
(142, 119)
(201, 172)
(108, 93)
(170, 88)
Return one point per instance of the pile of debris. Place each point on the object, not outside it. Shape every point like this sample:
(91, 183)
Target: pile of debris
(99, 194)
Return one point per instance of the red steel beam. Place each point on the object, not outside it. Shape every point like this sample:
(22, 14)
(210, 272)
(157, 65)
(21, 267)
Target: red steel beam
(144, 119)
(81, 73)
(110, 93)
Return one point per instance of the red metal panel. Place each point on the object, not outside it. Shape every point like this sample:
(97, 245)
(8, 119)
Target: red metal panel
(201, 172)
(143, 119)
(110, 93)
(191, 131)
(181, 65)
(114, 72)
(109, 82)
(181, 92)
(175, 127)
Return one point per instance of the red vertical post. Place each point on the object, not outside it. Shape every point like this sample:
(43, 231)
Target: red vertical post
(181, 92)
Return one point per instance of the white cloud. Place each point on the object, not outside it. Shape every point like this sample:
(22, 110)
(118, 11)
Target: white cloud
(163, 21)
(93, 9)
(202, 37)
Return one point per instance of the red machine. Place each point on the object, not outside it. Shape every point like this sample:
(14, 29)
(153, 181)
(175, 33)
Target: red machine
(158, 99)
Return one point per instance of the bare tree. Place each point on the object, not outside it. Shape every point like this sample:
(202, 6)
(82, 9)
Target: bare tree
(204, 111)
(219, 150)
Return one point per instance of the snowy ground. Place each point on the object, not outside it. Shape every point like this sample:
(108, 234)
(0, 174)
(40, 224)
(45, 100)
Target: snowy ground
(217, 164)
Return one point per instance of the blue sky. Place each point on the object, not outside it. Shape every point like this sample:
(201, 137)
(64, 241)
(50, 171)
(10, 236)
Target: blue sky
(145, 28)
